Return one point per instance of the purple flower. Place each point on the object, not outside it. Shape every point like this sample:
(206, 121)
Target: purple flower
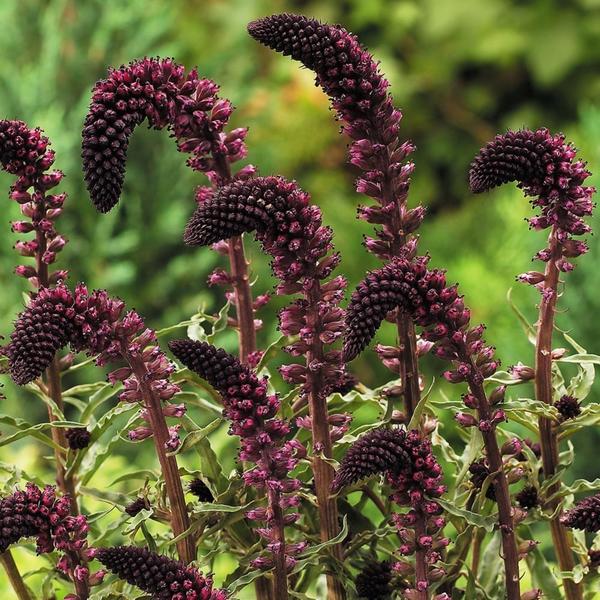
(41, 514)
(144, 89)
(584, 515)
(374, 581)
(480, 471)
(376, 452)
(528, 497)
(568, 407)
(78, 437)
(163, 577)
(135, 507)
(543, 164)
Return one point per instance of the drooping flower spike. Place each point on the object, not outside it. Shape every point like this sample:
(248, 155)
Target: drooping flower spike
(545, 167)
(252, 413)
(374, 581)
(160, 576)
(585, 515)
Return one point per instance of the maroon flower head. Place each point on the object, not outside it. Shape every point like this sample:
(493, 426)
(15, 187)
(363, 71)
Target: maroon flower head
(346, 72)
(584, 515)
(44, 327)
(143, 89)
(374, 581)
(568, 407)
(480, 471)
(135, 507)
(160, 576)
(41, 514)
(528, 497)
(78, 437)
(544, 165)
(201, 490)
(375, 452)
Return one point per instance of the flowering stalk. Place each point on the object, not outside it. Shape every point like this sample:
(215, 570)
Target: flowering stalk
(412, 287)
(158, 575)
(252, 413)
(358, 92)
(291, 231)
(544, 166)
(14, 576)
(410, 467)
(96, 323)
(159, 91)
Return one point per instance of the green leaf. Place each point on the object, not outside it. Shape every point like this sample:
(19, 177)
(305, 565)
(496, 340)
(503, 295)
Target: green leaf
(541, 572)
(220, 323)
(196, 435)
(26, 429)
(483, 522)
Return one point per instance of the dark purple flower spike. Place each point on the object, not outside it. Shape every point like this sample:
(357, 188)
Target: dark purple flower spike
(160, 576)
(585, 515)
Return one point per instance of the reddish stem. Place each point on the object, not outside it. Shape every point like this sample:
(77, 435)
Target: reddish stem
(280, 587)
(321, 438)
(170, 471)
(505, 519)
(14, 576)
(544, 393)
(421, 557)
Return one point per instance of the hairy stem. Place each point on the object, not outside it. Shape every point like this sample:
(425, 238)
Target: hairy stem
(12, 571)
(280, 587)
(170, 471)
(505, 519)
(321, 439)
(543, 392)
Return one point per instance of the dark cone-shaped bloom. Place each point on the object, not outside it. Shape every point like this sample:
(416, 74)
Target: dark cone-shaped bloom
(201, 490)
(160, 576)
(44, 327)
(568, 407)
(135, 507)
(403, 284)
(480, 471)
(78, 438)
(377, 451)
(584, 515)
(374, 581)
(528, 497)
(346, 72)
(144, 89)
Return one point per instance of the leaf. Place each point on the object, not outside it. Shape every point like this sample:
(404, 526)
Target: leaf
(196, 435)
(483, 522)
(211, 507)
(26, 429)
(220, 322)
(541, 572)
(271, 352)
(592, 359)
(416, 417)
(529, 329)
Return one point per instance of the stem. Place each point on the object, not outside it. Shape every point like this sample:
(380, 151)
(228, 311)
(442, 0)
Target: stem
(544, 393)
(238, 266)
(179, 515)
(420, 557)
(12, 571)
(321, 438)
(280, 588)
(509, 546)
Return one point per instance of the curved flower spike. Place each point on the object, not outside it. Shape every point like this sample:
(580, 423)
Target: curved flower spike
(584, 515)
(143, 89)
(163, 577)
(378, 451)
(544, 165)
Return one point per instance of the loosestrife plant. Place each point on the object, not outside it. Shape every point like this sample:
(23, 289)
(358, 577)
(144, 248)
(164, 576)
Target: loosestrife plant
(322, 503)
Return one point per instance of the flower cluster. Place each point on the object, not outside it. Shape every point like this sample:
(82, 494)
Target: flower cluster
(528, 497)
(159, 91)
(144, 89)
(136, 506)
(200, 490)
(78, 438)
(96, 323)
(568, 407)
(543, 164)
(584, 515)
(25, 153)
(406, 458)
(376, 452)
(291, 231)
(374, 581)
(163, 577)
(359, 94)
(252, 412)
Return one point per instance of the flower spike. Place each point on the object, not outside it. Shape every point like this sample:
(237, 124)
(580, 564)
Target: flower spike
(163, 577)
(584, 515)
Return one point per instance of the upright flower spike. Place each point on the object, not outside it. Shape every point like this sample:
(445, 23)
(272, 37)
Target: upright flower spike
(26, 153)
(545, 167)
(252, 413)
(160, 576)
(415, 476)
(374, 581)
(359, 94)
(145, 89)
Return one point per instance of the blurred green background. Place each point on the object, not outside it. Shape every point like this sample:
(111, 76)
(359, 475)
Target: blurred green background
(461, 71)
